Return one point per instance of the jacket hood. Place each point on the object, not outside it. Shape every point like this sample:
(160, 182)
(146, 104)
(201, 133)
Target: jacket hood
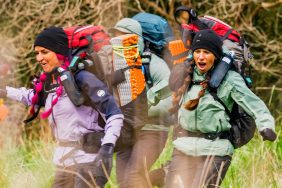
(128, 25)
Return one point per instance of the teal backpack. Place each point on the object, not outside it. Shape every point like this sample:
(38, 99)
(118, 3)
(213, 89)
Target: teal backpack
(157, 34)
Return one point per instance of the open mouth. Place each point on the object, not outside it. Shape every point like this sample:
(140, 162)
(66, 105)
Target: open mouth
(201, 65)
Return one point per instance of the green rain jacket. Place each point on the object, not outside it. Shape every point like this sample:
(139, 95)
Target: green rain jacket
(210, 115)
(159, 95)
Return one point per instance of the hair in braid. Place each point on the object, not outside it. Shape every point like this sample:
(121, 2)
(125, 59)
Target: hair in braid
(192, 104)
(176, 96)
(39, 88)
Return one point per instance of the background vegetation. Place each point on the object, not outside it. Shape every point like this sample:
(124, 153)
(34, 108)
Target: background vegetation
(26, 151)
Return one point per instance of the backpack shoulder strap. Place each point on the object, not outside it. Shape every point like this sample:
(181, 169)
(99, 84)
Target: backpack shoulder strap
(213, 92)
(146, 59)
(201, 25)
(226, 34)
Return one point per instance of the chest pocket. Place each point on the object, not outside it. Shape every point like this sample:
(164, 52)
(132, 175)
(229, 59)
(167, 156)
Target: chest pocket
(211, 115)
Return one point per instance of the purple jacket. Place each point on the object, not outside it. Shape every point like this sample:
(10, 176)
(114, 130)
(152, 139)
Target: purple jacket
(69, 122)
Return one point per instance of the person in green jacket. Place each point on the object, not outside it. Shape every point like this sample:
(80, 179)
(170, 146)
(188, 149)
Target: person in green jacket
(198, 161)
(134, 163)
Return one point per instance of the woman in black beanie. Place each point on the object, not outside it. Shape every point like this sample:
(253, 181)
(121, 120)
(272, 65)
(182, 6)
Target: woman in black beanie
(79, 164)
(201, 158)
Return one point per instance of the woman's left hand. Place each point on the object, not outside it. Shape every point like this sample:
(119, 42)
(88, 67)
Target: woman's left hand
(268, 134)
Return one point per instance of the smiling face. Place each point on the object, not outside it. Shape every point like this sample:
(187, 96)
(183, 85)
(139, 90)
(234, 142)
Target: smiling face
(46, 58)
(204, 59)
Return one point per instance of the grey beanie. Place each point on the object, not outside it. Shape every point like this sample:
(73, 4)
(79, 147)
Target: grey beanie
(128, 25)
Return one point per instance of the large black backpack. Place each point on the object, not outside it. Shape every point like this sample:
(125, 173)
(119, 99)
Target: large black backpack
(242, 128)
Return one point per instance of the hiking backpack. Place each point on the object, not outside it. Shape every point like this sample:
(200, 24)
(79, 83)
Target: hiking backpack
(92, 50)
(242, 125)
(157, 35)
(236, 45)
(155, 30)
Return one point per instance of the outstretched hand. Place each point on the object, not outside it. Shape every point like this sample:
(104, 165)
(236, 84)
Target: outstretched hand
(268, 134)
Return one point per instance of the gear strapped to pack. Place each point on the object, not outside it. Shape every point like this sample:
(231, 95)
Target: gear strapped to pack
(117, 63)
(233, 42)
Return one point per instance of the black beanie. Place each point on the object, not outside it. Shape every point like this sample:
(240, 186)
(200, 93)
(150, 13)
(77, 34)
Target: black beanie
(208, 39)
(54, 39)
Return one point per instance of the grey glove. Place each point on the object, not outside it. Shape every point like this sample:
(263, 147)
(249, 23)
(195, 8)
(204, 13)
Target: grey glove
(104, 158)
(3, 93)
(268, 134)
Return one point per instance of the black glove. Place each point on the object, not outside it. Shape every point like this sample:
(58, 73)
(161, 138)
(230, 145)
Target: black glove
(3, 93)
(104, 158)
(268, 134)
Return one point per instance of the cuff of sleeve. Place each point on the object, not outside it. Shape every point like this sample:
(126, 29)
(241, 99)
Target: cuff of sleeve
(112, 129)
(109, 139)
(267, 121)
(266, 127)
(152, 97)
(158, 92)
(19, 94)
(13, 93)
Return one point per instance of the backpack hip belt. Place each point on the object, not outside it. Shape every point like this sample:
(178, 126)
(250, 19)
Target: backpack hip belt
(180, 132)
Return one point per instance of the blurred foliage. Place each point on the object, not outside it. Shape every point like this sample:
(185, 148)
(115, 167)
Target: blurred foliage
(23, 20)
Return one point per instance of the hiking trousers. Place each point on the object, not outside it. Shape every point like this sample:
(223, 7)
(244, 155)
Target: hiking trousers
(134, 163)
(85, 175)
(196, 172)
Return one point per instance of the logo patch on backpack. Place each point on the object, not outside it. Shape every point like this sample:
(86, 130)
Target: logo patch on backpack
(101, 93)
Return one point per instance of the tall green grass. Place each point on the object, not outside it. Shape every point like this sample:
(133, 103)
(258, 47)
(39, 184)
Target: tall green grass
(258, 164)
(27, 166)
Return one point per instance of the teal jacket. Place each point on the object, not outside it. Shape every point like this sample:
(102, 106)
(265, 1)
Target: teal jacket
(159, 95)
(210, 115)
